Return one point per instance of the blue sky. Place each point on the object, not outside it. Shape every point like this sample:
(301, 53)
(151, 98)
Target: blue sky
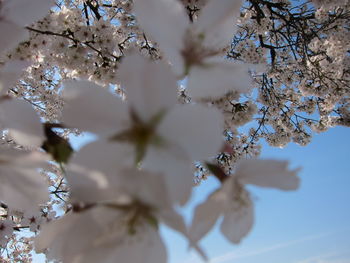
(311, 225)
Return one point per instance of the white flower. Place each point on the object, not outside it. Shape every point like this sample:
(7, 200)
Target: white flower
(16, 115)
(122, 228)
(193, 48)
(6, 230)
(10, 73)
(233, 202)
(166, 137)
(15, 14)
(21, 121)
(21, 185)
(100, 235)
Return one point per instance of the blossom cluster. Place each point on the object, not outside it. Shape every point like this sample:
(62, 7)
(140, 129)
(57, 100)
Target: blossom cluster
(164, 88)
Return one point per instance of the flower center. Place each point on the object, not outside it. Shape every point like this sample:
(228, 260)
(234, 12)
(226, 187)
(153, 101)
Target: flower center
(194, 51)
(241, 196)
(136, 215)
(141, 134)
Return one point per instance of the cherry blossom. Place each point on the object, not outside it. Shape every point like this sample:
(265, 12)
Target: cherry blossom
(233, 201)
(193, 49)
(6, 230)
(10, 73)
(166, 137)
(13, 18)
(149, 131)
(123, 226)
(22, 187)
(22, 122)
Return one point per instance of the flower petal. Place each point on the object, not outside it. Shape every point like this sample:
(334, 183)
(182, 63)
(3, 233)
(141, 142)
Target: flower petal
(14, 34)
(176, 169)
(205, 217)
(90, 107)
(21, 185)
(24, 12)
(23, 123)
(95, 173)
(267, 173)
(84, 238)
(238, 222)
(174, 220)
(153, 90)
(10, 74)
(218, 22)
(74, 234)
(144, 247)
(166, 22)
(215, 78)
(195, 128)
(53, 233)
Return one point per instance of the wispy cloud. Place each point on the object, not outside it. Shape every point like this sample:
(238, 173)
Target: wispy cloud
(333, 257)
(238, 255)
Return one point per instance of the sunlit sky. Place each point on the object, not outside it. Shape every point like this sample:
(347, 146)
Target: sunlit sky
(311, 225)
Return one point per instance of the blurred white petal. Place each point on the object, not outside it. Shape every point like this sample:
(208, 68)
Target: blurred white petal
(24, 12)
(173, 220)
(196, 129)
(145, 247)
(150, 87)
(238, 222)
(267, 173)
(71, 235)
(215, 78)
(10, 73)
(166, 22)
(14, 34)
(176, 168)
(90, 107)
(217, 22)
(96, 171)
(83, 238)
(205, 216)
(23, 123)
(21, 185)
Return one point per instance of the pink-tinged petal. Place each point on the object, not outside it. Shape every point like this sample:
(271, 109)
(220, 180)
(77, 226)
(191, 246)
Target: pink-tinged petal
(238, 221)
(150, 87)
(215, 78)
(10, 73)
(166, 22)
(176, 169)
(205, 216)
(23, 123)
(25, 12)
(195, 128)
(95, 173)
(92, 108)
(267, 173)
(218, 22)
(14, 34)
